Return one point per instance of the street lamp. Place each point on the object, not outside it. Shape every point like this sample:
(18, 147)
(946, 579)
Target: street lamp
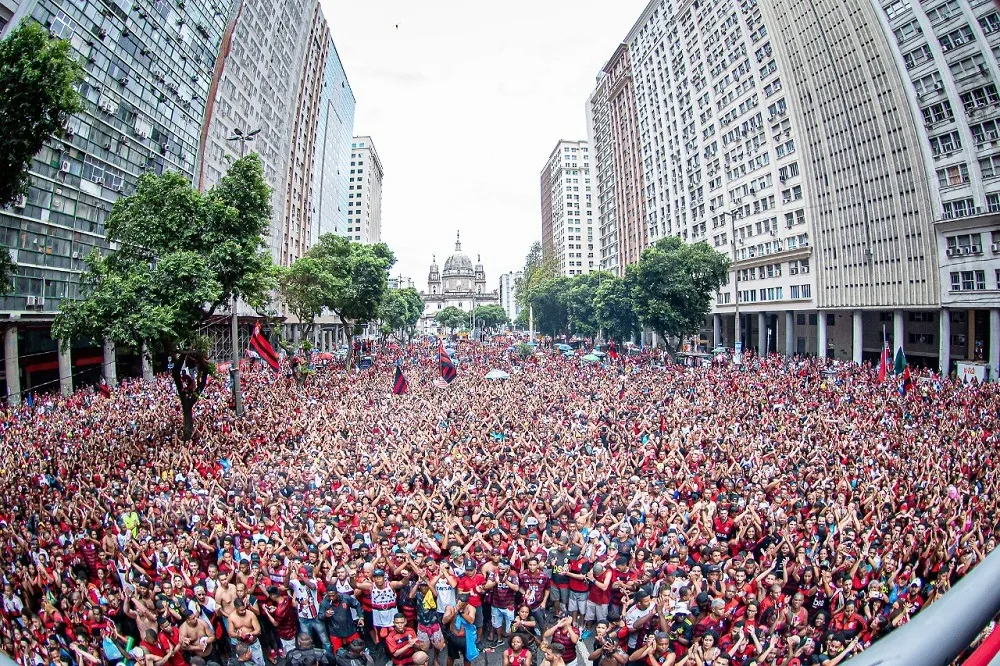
(243, 138)
(234, 371)
(738, 341)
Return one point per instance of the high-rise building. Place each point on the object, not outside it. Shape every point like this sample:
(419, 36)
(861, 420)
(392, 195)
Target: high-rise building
(842, 153)
(567, 209)
(508, 294)
(364, 197)
(332, 157)
(603, 176)
(613, 126)
(149, 68)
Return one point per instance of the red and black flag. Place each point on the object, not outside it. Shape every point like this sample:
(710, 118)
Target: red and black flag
(448, 372)
(399, 383)
(613, 351)
(263, 348)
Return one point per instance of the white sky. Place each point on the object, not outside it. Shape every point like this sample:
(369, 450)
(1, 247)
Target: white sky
(464, 103)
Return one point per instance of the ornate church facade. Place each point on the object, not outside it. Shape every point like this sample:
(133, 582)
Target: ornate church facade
(461, 284)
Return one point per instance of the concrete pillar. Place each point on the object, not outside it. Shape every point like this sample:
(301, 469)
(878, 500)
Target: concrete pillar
(970, 335)
(762, 333)
(110, 363)
(65, 370)
(147, 364)
(717, 330)
(296, 333)
(821, 334)
(897, 332)
(12, 366)
(789, 332)
(944, 341)
(993, 339)
(737, 332)
(857, 320)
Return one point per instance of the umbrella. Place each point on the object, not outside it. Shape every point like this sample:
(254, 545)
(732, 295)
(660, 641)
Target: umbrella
(324, 356)
(590, 358)
(497, 374)
(598, 353)
(563, 347)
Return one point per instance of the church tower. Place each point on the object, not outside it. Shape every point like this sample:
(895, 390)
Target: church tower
(480, 275)
(434, 277)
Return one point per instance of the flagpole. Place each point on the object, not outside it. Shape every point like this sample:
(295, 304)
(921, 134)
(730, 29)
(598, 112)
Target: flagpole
(234, 371)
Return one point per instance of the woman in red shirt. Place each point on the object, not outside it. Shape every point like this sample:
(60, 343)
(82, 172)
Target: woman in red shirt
(517, 654)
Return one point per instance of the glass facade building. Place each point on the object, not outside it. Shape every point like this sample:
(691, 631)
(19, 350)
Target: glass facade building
(148, 68)
(333, 150)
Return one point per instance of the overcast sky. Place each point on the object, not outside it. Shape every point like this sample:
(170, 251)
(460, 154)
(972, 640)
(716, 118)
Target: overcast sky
(464, 102)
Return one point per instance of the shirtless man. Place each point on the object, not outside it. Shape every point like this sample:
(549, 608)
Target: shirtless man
(244, 627)
(197, 637)
(225, 595)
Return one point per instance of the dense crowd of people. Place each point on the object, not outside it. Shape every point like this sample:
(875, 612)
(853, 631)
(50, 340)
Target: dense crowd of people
(786, 512)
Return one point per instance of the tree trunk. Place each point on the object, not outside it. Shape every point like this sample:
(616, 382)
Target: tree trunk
(349, 331)
(187, 408)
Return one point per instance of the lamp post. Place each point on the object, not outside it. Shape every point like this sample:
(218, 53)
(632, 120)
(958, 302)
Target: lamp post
(737, 334)
(244, 138)
(234, 371)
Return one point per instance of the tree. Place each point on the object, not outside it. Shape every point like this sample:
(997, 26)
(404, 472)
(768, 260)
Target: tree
(38, 78)
(673, 285)
(580, 303)
(303, 286)
(523, 319)
(452, 318)
(549, 299)
(399, 313)
(614, 309)
(491, 317)
(180, 256)
(358, 281)
(537, 269)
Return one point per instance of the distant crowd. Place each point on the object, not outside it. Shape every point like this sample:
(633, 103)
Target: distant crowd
(787, 512)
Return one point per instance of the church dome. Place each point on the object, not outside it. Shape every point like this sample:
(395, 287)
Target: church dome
(458, 262)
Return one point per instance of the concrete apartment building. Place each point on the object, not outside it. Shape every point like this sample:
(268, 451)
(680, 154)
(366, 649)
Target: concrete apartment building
(364, 197)
(847, 167)
(567, 208)
(508, 294)
(165, 85)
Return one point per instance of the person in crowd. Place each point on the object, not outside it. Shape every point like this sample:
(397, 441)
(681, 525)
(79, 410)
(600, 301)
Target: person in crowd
(788, 511)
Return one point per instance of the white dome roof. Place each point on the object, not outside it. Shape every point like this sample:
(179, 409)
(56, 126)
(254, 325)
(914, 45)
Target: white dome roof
(458, 262)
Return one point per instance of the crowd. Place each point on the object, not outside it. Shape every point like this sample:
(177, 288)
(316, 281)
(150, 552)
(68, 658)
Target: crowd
(788, 512)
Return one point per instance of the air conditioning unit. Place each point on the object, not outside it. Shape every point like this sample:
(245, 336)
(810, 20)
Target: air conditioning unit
(30, 301)
(804, 269)
(951, 251)
(99, 181)
(64, 167)
(76, 255)
(967, 249)
(939, 87)
(977, 249)
(21, 201)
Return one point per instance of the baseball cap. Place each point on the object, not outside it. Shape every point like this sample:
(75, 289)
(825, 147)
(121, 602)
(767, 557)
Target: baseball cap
(378, 573)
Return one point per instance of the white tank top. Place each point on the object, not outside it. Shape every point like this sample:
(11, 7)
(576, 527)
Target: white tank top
(446, 595)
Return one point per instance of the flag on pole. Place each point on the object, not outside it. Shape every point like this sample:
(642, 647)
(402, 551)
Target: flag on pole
(613, 351)
(259, 344)
(440, 383)
(900, 364)
(399, 383)
(883, 361)
(447, 365)
(906, 384)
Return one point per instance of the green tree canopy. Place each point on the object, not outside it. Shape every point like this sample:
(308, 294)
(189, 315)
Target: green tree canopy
(358, 280)
(673, 284)
(614, 309)
(452, 318)
(180, 256)
(537, 269)
(38, 77)
(549, 299)
(580, 303)
(400, 311)
(303, 286)
(491, 317)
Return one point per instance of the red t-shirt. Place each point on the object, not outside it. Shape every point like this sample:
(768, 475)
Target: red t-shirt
(469, 584)
(395, 640)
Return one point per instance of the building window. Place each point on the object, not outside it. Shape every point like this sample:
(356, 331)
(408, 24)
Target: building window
(921, 338)
(980, 97)
(956, 38)
(951, 176)
(917, 57)
(943, 12)
(993, 203)
(990, 22)
(990, 166)
(908, 31)
(959, 208)
(944, 144)
(968, 280)
(937, 113)
(966, 243)
(985, 132)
